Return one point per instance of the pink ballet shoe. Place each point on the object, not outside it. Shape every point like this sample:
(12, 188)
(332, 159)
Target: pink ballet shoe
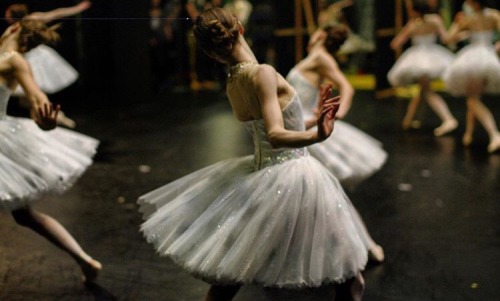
(376, 254)
(65, 121)
(90, 270)
(494, 145)
(446, 127)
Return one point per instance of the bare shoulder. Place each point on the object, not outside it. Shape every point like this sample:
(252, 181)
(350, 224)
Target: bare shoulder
(263, 74)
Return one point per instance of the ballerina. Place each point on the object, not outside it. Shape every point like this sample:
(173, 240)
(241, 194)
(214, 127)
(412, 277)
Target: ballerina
(34, 160)
(422, 63)
(51, 72)
(278, 218)
(476, 70)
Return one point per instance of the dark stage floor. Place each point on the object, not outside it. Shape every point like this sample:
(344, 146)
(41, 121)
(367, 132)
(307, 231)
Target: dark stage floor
(434, 207)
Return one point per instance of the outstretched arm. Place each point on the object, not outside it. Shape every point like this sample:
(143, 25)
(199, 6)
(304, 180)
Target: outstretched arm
(42, 111)
(266, 87)
(59, 13)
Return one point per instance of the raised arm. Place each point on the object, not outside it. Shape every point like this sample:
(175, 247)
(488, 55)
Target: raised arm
(437, 21)
(42, 111)
(329, 70)
(266, 87)
(402, 36)
(59, 13)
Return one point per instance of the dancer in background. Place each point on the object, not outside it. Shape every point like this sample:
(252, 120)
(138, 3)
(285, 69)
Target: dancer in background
(476, 70)
(351, 155)
(35, 161)
(422, 63)
(50, 71)
(279, 218)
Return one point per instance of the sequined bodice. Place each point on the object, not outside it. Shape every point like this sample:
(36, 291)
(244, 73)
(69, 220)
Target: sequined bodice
(308, 94)
(4, 100)
(481, 37)
(265, 154)
(424, 39)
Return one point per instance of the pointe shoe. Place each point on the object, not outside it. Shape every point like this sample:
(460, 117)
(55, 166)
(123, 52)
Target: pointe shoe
(467, 140)
(65, 121)
(445, 128)
(494, 145)
(90, 270)
(376, 254)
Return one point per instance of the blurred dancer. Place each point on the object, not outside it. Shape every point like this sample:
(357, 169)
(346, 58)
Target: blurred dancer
(422, 63)
(35, 161)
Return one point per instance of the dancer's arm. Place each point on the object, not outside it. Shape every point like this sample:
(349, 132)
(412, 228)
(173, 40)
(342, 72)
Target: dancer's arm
(402, 36)
(59, 13)
(266, 86)
(41, 109)
(329, 70)
(437, 21)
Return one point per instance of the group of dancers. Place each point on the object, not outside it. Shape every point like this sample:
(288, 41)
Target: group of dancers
(472, 72)
(279, 217)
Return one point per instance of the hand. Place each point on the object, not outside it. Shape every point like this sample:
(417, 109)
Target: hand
(84, 5)
(45, 116)
(325, 92)
(326, 117)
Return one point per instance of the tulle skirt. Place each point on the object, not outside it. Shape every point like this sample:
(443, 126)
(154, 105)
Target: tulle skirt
(286, 225)
(475, 62)
(35, 162)
(350, 154)
(50, 71)
(429, 60)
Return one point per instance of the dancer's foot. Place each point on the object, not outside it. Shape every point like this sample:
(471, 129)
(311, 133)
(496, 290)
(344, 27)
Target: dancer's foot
(90, 270)
(65, 121)
(376, 254)
(494, 145)
(446, 127)
(467, 139)
(406, 124)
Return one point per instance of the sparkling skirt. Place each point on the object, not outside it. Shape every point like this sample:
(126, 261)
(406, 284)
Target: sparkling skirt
(285, 225)
(35, 162)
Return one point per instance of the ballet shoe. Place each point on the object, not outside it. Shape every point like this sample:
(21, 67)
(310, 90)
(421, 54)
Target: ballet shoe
(90, 270)
(446, 127)
(467, 140)
(376, 254)
(65, 121)
(494, 145)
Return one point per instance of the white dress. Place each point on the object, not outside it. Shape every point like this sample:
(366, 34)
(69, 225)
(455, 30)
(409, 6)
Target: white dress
(278, 218)
(424, 58)
(34, 162)
(50, 71)
(350, 154)
(476, 61)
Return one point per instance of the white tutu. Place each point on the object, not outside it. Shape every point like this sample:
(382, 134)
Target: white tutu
(477, 61)
(50, 71)
(424, 58)
(350, 154)
(278, 218)
(34, 162)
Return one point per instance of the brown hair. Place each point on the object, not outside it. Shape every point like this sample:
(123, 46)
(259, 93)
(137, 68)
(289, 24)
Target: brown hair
(335, 37)
(215, 31)
(34, 33)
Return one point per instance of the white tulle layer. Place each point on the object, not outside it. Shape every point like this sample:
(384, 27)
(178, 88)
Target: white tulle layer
(475, 62)
(287, 225)
(350, 154)
(51, 72)
(429, 60)
(35, 162)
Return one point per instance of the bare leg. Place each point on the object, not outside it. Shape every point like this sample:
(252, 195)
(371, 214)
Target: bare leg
(483, 114)
(53, 231)
(439, 106)
(222, 293)
(410, 112)
(351, 290)
(470, 122)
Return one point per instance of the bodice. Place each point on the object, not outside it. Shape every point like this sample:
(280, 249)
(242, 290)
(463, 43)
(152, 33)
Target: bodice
(424, 39)
(4, 100)
(307, 93)
(265, 154)
(481, 37)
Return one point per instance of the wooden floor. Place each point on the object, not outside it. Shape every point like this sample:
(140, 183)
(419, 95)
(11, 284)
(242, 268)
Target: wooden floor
(434, 207)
